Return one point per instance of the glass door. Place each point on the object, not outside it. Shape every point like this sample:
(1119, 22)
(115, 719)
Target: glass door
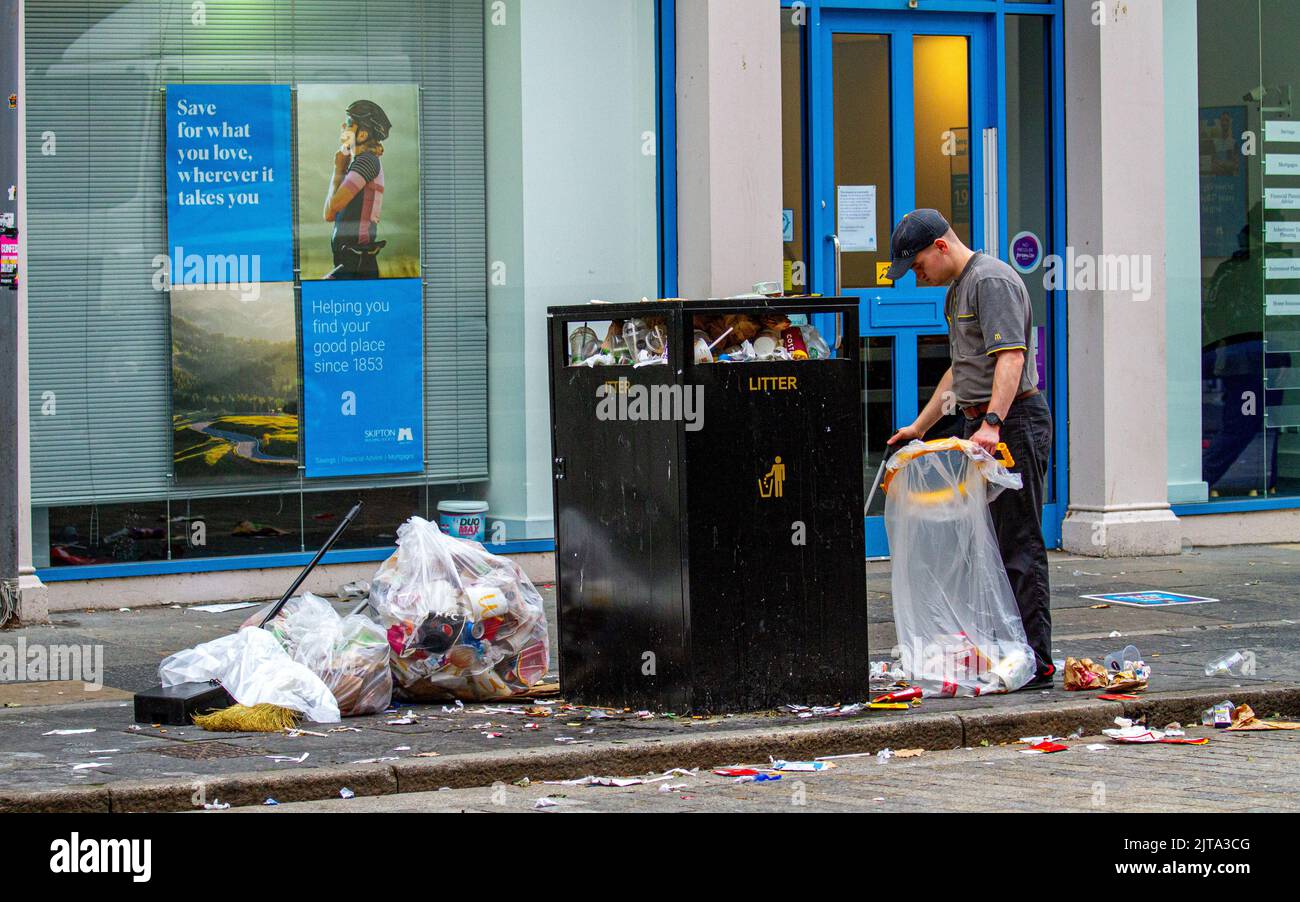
(902, 116)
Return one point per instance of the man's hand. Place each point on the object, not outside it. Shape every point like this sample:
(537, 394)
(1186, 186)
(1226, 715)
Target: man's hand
(988, 437)
(907, 434)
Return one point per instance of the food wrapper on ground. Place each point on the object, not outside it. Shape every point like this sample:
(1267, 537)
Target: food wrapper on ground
(255, 669)
(461, 623)
(350, 654)
(1243, 718)
(958, 627)
(1084, 674)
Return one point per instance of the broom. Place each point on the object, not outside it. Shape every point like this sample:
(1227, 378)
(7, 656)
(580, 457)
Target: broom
(267, 718)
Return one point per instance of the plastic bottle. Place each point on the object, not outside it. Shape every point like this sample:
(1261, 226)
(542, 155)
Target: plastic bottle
(1228, 665)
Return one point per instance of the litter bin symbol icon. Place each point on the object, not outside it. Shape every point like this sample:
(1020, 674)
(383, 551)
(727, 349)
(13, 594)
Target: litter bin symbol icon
(772, 485)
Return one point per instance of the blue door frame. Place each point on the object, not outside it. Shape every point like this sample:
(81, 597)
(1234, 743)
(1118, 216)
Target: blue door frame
(907, 311)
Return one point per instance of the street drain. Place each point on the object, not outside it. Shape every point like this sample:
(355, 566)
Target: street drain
(204, 751)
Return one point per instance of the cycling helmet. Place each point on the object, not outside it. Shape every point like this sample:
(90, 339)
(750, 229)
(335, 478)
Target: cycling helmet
(370, 116)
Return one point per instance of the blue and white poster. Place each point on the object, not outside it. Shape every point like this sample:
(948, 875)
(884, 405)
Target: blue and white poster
(1223, 181)
(1150, 598)
(229, 184)
(363, 378)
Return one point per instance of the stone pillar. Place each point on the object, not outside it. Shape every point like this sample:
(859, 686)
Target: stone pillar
(1118, 416)
(33, 603)
(728, 146)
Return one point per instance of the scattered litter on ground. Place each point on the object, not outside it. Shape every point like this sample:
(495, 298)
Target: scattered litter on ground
(283, 759)
(295, 732)
(757, 778)
(909, 753)
(343, 730)
(1243, 718)
(1233, 664)
(427, 755)
(1096, 747)
(270, 802)
(217, 805)
(884, 755)
(802, 766)
(89, 766)
(102, 751)
(1139, 735)
(1084, 674)
(1218, 716)
(222, 608)
(347, 793)
(69, 732)
(545, 802)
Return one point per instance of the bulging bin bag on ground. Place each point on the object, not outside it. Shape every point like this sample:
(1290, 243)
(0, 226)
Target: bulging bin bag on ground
(253, 667)
(462, 623)
(959, 629)
(350, 654)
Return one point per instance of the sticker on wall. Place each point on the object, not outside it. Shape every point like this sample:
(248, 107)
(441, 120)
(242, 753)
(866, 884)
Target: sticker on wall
(1152, 599)
(787, 226)
(1026, 252)
(9, 261)
(882, 273)
(855, 214)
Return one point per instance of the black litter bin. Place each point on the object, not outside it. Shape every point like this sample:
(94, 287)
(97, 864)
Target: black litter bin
(709, 516)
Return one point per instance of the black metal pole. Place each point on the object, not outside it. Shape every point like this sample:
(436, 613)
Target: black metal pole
(9, 400)
(329, 543)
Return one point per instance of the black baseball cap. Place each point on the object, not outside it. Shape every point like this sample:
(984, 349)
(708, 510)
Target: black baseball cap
(917, 231)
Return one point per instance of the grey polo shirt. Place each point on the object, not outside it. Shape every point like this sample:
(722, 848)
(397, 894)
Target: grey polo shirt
(988, 311)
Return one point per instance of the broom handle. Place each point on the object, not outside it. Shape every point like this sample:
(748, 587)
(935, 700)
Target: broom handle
(329, 543)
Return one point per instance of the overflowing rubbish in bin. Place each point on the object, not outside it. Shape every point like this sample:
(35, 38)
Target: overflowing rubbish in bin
(959, 630)
(751, 338)
(461, 623)
(641, 341)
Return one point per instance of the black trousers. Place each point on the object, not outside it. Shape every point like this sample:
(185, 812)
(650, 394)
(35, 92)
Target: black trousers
(1018, 519)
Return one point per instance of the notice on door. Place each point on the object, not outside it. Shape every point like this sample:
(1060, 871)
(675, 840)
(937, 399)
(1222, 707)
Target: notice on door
(855, 208)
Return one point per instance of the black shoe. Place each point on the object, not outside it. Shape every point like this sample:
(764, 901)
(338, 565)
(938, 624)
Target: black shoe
(1042, 681)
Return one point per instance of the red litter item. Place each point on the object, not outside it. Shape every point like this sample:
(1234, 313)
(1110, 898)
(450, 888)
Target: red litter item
(1118, 697)
(736, 772)
(902, 695)
(794, 343)
(1176, 740)
(1048, 747)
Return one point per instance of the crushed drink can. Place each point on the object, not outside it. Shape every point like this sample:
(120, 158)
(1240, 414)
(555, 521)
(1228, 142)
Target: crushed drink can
(794, 344)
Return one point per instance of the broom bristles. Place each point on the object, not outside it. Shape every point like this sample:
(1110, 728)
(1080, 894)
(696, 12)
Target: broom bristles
(263, 718)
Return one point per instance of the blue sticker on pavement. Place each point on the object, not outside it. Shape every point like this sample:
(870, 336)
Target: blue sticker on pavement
(1149, 599)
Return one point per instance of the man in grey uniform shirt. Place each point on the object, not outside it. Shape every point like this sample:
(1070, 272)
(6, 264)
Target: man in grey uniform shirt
(990, 340)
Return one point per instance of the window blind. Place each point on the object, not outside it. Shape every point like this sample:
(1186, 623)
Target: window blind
(100, 358)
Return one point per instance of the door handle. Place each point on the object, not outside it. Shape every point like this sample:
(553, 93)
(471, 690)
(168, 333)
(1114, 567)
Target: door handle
(839, 268)
(992, 202)
(839, 286)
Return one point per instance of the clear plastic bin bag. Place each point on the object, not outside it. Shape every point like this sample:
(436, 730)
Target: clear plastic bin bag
(462, 623)
(350, 654)
(958, 627)
(255, 669)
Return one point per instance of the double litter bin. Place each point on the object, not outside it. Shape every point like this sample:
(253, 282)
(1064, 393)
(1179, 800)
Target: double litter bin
(709, 517)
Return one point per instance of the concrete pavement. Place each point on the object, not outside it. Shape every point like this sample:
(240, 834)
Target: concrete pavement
(150, 768)
(1236, 772)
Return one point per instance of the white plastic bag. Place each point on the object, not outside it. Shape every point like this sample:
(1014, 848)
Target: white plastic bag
(253, 667)
(350, 654)
(958, 626)
(462, 623)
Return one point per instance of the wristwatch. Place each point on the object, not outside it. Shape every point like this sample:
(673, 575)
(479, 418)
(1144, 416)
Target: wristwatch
(993, 419)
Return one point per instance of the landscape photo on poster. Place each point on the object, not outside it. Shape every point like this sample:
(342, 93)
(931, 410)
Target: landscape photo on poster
(358, 181)
(235, 380)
